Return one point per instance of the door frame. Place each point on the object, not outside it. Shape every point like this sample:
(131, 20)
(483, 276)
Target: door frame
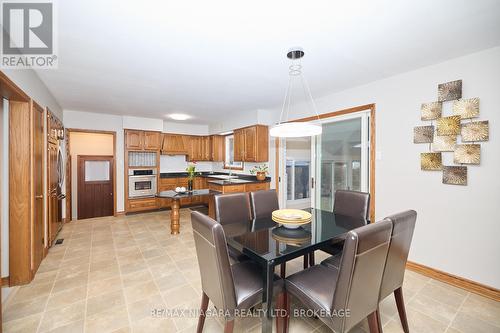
(366, 107)
(69, 197)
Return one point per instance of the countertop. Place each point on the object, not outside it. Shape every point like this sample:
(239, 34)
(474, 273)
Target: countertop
(248, 179)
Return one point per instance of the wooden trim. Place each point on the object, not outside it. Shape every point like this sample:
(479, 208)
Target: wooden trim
(10, 91)
(457, 281)
(118, 214)
(355, 109)
(5, 282)
(68, 169)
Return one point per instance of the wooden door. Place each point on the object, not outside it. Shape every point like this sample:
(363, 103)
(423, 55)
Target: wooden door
(134, 139)
(38, 204)
(239, 145)
(53, 221)
(95, 186)
(250, 144)
(152, 140)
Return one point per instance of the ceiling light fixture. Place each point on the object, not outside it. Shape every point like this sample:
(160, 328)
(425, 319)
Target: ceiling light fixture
(286, 129)
(179, 116)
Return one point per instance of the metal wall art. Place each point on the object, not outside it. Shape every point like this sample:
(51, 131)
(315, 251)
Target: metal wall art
(430, 161)
(476, 131)
(466, 108)
(448, 129)
(430, 111)
(455, 175)
(444, 143)
(448, 125)
(423, 134)
(467, 154)
(450, 91)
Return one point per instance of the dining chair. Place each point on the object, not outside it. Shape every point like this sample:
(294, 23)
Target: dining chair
(353, 287)
(229, 287)
(263, 204)
(233, 208)
(403, 225)
(349, 204)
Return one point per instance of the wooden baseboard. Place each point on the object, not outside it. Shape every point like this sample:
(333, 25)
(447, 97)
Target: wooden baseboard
(457, 281)
(5, 282)
(122, 213)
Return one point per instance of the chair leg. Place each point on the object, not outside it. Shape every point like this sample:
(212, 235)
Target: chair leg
(283, 270)
(306, 260)
(311, 259)
(283, 314)
(229, 326)
(204, 307)
(400, 303)
(372, 322)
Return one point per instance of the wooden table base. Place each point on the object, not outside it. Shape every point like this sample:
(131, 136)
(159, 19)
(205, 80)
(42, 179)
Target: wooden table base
(175, 225)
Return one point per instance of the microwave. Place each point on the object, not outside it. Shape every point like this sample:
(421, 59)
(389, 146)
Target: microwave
(141, 183)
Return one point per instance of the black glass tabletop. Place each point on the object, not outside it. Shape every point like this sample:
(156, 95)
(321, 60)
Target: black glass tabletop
(179, 195)
(264, 240)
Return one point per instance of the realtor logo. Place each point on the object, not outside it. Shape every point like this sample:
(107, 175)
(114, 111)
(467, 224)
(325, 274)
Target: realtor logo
(28, 35)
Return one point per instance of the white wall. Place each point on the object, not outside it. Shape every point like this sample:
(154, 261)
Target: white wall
(102, 122)
(458, 226)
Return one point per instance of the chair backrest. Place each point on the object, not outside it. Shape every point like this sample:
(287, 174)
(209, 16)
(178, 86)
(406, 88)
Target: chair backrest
(263, 203)
(352, 203)
(213, 259)
(360, 273)
(232, 208)
(403, 225)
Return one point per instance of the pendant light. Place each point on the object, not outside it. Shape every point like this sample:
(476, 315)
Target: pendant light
(295, 129)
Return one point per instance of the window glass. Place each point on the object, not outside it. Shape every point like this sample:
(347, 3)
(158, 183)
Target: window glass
(96, 171)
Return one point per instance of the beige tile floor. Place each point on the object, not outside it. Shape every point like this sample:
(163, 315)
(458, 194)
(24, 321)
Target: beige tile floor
(110, 273)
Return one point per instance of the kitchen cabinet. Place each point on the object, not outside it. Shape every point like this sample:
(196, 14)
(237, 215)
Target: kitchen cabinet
(133, 139)
(137, 205)
(175, 144)
(217, 152)
(152, 140)
(167, 184)
(142, 140)
(251, 144)
(199, 149)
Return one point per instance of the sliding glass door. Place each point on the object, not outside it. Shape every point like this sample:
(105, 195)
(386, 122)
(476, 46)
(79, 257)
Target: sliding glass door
(312, 169)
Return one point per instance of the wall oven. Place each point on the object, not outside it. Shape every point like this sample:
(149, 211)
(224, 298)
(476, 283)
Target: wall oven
(141, 183)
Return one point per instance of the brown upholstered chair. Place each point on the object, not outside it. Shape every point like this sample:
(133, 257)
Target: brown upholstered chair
(233, 208)
(354, 286)
(351, 204)
(229, 287)
(403, 225)
(263, 203)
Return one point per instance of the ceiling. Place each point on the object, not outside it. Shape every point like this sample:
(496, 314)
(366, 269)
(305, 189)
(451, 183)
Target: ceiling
(211, 59)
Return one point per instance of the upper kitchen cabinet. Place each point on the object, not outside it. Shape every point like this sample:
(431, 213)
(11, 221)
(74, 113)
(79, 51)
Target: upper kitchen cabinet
(174, 144)
(142, 140)
(152, 140)
(199, 148)
(217, 148)
(251, 144)
(133, 139)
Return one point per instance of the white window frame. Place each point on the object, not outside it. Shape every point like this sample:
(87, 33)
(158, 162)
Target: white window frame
(228, 164)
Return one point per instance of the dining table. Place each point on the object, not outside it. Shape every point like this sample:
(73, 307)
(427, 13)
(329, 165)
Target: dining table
(270, 244)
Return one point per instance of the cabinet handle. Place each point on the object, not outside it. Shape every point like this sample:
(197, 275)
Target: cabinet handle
(39, 196)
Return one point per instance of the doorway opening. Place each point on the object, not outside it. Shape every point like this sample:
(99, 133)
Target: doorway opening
(90, 174)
